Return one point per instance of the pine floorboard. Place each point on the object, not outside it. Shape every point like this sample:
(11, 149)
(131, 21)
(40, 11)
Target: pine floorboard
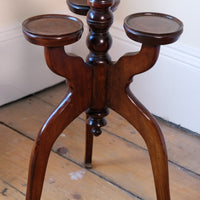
(121, 167)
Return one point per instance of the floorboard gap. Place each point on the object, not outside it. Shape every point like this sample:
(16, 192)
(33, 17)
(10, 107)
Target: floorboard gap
(13, 187)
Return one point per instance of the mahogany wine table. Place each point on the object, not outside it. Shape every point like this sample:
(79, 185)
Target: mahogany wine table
(99, 83)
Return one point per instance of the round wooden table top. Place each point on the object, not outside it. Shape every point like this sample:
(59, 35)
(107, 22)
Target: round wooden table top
(153, 28)
(81, 7)
(52, 30)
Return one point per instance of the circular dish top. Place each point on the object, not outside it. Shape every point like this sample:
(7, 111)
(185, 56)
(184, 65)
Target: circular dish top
(153, 28)
(51, 28)
(81, 7)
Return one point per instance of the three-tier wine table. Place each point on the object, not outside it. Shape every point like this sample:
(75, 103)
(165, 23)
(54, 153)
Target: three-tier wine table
(97, 84)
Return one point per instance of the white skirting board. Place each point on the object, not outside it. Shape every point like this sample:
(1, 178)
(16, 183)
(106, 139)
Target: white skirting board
(170, 90)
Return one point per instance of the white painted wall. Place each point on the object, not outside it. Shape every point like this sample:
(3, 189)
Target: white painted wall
(187, 11)
(14, 12)
(170, 90)
(22, 67)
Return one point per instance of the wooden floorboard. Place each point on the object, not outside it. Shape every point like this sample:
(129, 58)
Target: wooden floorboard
(64, 179)
(9, 192)
(121, 166)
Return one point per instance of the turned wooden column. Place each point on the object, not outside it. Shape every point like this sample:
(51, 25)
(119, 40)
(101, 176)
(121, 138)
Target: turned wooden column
(99, 83)
(99, 41)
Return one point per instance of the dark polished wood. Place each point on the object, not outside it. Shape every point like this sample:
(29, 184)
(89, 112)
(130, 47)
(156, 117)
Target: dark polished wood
(82, 7)
(52, 30)
(99, 83)
(153, 28)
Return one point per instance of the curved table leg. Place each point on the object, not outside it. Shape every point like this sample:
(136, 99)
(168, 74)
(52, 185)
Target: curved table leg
(132, 110)
(65, 113)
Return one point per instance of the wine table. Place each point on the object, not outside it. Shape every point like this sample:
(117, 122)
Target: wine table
(97, 84)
